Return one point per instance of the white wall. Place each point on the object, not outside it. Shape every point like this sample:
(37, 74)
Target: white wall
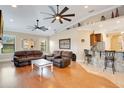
(19, 38)
(107, 41)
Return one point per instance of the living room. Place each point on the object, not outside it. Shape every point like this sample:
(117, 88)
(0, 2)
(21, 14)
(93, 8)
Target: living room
(32, 28)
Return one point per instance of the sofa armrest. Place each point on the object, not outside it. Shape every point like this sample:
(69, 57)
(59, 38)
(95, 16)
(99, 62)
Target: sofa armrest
(43, 56)
(65, 62)
(15, 58)
(66, 58)
(57, 57)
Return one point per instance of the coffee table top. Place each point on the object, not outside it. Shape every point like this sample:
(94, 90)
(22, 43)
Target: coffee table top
(41, 62)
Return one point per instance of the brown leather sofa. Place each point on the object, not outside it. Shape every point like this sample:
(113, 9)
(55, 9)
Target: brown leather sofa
(22, 58)
(60, 58)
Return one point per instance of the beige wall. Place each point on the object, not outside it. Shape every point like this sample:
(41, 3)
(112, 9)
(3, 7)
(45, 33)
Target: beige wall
(115, 44)
(76, 45)
(19, 38)
(116, 40)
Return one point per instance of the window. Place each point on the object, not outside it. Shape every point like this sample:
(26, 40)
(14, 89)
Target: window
(8, 44)
(43, 46)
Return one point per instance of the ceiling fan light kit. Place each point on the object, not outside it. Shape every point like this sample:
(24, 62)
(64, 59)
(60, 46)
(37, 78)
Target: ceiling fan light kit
(58, 17)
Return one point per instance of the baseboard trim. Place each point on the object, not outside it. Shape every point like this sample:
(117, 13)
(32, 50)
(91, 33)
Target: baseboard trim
(4, 60)
(79, 61)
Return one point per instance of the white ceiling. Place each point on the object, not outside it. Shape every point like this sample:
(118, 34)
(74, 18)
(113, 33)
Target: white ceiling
(26, 15)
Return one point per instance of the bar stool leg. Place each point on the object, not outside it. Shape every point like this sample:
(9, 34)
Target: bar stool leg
(113, 68)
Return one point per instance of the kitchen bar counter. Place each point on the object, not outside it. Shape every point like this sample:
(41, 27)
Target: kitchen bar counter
(117, 54)
(98, 59)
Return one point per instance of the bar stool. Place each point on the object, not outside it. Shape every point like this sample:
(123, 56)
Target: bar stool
(87, 56)
(110, 60)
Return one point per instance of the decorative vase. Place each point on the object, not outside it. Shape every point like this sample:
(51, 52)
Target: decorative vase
(112, 15)
(79, 24)
(103, 18)
(117, 13)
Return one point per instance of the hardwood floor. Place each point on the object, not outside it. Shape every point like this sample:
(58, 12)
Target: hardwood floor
(72, 76)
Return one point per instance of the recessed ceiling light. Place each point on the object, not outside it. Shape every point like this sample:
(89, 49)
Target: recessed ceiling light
(100, 25)
(118, 22)
(14, 6)
(122, 32)
(86, 6)
(11, 20)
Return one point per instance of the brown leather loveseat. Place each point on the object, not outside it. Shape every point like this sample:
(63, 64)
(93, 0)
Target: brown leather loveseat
(22, 58)
(60, 58)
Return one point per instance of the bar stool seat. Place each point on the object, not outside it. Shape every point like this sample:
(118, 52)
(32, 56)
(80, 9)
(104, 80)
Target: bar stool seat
(110, 60)
(88, 56)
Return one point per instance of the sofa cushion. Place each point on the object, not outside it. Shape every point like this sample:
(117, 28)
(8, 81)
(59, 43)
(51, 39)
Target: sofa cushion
(67, 54)
(20, 53)
(57, 54)
(37, 55)
(22, 59)
(34, 58)
(29, 53)
(36, 52)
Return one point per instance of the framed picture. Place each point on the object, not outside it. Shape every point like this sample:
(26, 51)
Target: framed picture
(28, 44)
(65, 43)
(25, 44)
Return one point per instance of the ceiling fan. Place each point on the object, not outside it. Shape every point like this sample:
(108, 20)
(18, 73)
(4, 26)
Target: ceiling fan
(58, 15)
(36, 27)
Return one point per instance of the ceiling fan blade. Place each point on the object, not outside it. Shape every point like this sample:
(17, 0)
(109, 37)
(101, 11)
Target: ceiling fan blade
(35, 26)
(30, 27)
(57, 9)
(64, 10)
(43, 28)
(33, 29)
(52, 9)
(48, 18)
(66, 19)
(46, 13)
(68, 15)
(53, 20)
(60, 21)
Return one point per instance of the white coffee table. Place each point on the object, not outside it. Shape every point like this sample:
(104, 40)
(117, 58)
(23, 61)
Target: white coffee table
(41, 63)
